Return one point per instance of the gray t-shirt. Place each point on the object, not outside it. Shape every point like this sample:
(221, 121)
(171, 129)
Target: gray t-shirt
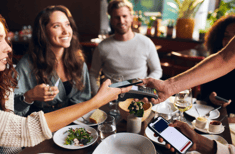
(131, 58)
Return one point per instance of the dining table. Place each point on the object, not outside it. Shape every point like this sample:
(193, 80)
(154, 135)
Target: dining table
(48, 146)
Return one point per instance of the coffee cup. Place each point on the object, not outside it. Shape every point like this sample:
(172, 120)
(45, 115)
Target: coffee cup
(215, 126)
(201, 122)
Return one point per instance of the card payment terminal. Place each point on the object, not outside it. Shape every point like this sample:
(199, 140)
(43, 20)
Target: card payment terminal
(139, 92)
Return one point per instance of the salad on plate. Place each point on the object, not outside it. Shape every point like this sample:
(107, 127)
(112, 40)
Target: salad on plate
(78, 137)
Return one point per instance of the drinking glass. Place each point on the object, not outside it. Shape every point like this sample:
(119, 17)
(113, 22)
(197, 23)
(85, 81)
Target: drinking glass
(108, 127)
(114, 104)
(183, 102)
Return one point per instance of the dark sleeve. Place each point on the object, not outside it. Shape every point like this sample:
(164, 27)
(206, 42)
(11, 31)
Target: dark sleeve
(25, 82)
(206, 90)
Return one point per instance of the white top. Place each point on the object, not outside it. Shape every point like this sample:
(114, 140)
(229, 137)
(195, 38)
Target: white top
(130, 58)
(17, 131)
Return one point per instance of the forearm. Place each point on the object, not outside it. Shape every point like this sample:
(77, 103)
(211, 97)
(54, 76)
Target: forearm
(209, 69)
(65, 116)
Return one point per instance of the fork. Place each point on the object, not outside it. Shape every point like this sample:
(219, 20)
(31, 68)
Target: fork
(197, 111)
(85, 121)
(208, 114)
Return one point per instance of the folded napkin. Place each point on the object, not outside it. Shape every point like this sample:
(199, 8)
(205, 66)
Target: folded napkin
(232, 131)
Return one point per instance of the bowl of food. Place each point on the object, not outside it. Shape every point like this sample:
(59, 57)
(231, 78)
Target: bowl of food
(124, 111)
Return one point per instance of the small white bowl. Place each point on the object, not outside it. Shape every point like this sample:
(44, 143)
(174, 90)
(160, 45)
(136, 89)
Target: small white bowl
(215, 126)
(201, 122)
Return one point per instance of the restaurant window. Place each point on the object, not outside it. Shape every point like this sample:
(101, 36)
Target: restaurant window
(155, 6)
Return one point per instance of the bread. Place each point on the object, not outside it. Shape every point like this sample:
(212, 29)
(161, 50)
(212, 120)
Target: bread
(97, 116)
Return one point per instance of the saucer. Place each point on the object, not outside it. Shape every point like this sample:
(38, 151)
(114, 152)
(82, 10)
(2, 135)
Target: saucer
(206, 129)
(150, 134)
(203, 110)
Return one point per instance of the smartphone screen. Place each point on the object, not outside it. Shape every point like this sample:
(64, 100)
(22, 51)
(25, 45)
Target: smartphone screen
(173, 136)
(126, 83)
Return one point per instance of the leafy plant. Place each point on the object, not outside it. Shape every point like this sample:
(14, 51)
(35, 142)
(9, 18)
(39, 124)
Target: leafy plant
(186, 8)
(223, 9)
(150, 22)
(136, 108)
(171, 23)
(203, 30)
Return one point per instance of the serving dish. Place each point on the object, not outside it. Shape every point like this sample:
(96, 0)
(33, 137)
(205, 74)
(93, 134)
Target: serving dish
(125, 143)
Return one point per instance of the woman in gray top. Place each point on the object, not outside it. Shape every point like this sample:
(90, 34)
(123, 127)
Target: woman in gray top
(53, 74)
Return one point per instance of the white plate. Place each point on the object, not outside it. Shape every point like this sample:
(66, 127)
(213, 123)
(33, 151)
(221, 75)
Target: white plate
(165, 107)
(217, 138)
(125, 143)
(206, 129)
(150, 134)
(203, 109)
(79, 121)
(59, 136)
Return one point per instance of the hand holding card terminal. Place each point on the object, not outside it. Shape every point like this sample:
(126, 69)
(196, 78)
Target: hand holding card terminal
(140, 92)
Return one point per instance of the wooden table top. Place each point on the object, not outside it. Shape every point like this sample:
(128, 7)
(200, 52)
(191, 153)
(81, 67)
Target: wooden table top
(48, 146)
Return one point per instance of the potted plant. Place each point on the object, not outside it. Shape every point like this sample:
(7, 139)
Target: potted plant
(202, 33)
(186, 10)
(170, 27)
(150, 24)
(134, 120)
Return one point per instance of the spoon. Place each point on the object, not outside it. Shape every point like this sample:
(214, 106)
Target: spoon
(208, 114)
(223, 118)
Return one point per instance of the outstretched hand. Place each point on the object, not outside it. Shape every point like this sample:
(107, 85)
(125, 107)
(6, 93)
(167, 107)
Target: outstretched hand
(161, 87)
(108, 94)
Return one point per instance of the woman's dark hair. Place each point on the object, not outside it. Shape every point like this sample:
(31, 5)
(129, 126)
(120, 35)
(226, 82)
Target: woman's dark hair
(8, 77)
(44, 59)
(214, 37)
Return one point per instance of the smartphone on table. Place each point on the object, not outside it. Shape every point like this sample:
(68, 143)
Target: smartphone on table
(126, 83)
(171, 135)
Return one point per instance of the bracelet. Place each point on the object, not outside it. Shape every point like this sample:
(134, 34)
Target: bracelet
(23, 99)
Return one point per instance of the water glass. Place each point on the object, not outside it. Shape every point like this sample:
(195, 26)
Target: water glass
(108, 127)
(114, 104)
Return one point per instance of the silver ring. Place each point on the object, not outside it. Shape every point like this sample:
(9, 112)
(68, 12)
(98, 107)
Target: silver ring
(50, 89)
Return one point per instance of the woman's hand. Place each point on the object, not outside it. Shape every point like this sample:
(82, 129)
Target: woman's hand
(108, 94)
(218, 102)
(42, 93)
